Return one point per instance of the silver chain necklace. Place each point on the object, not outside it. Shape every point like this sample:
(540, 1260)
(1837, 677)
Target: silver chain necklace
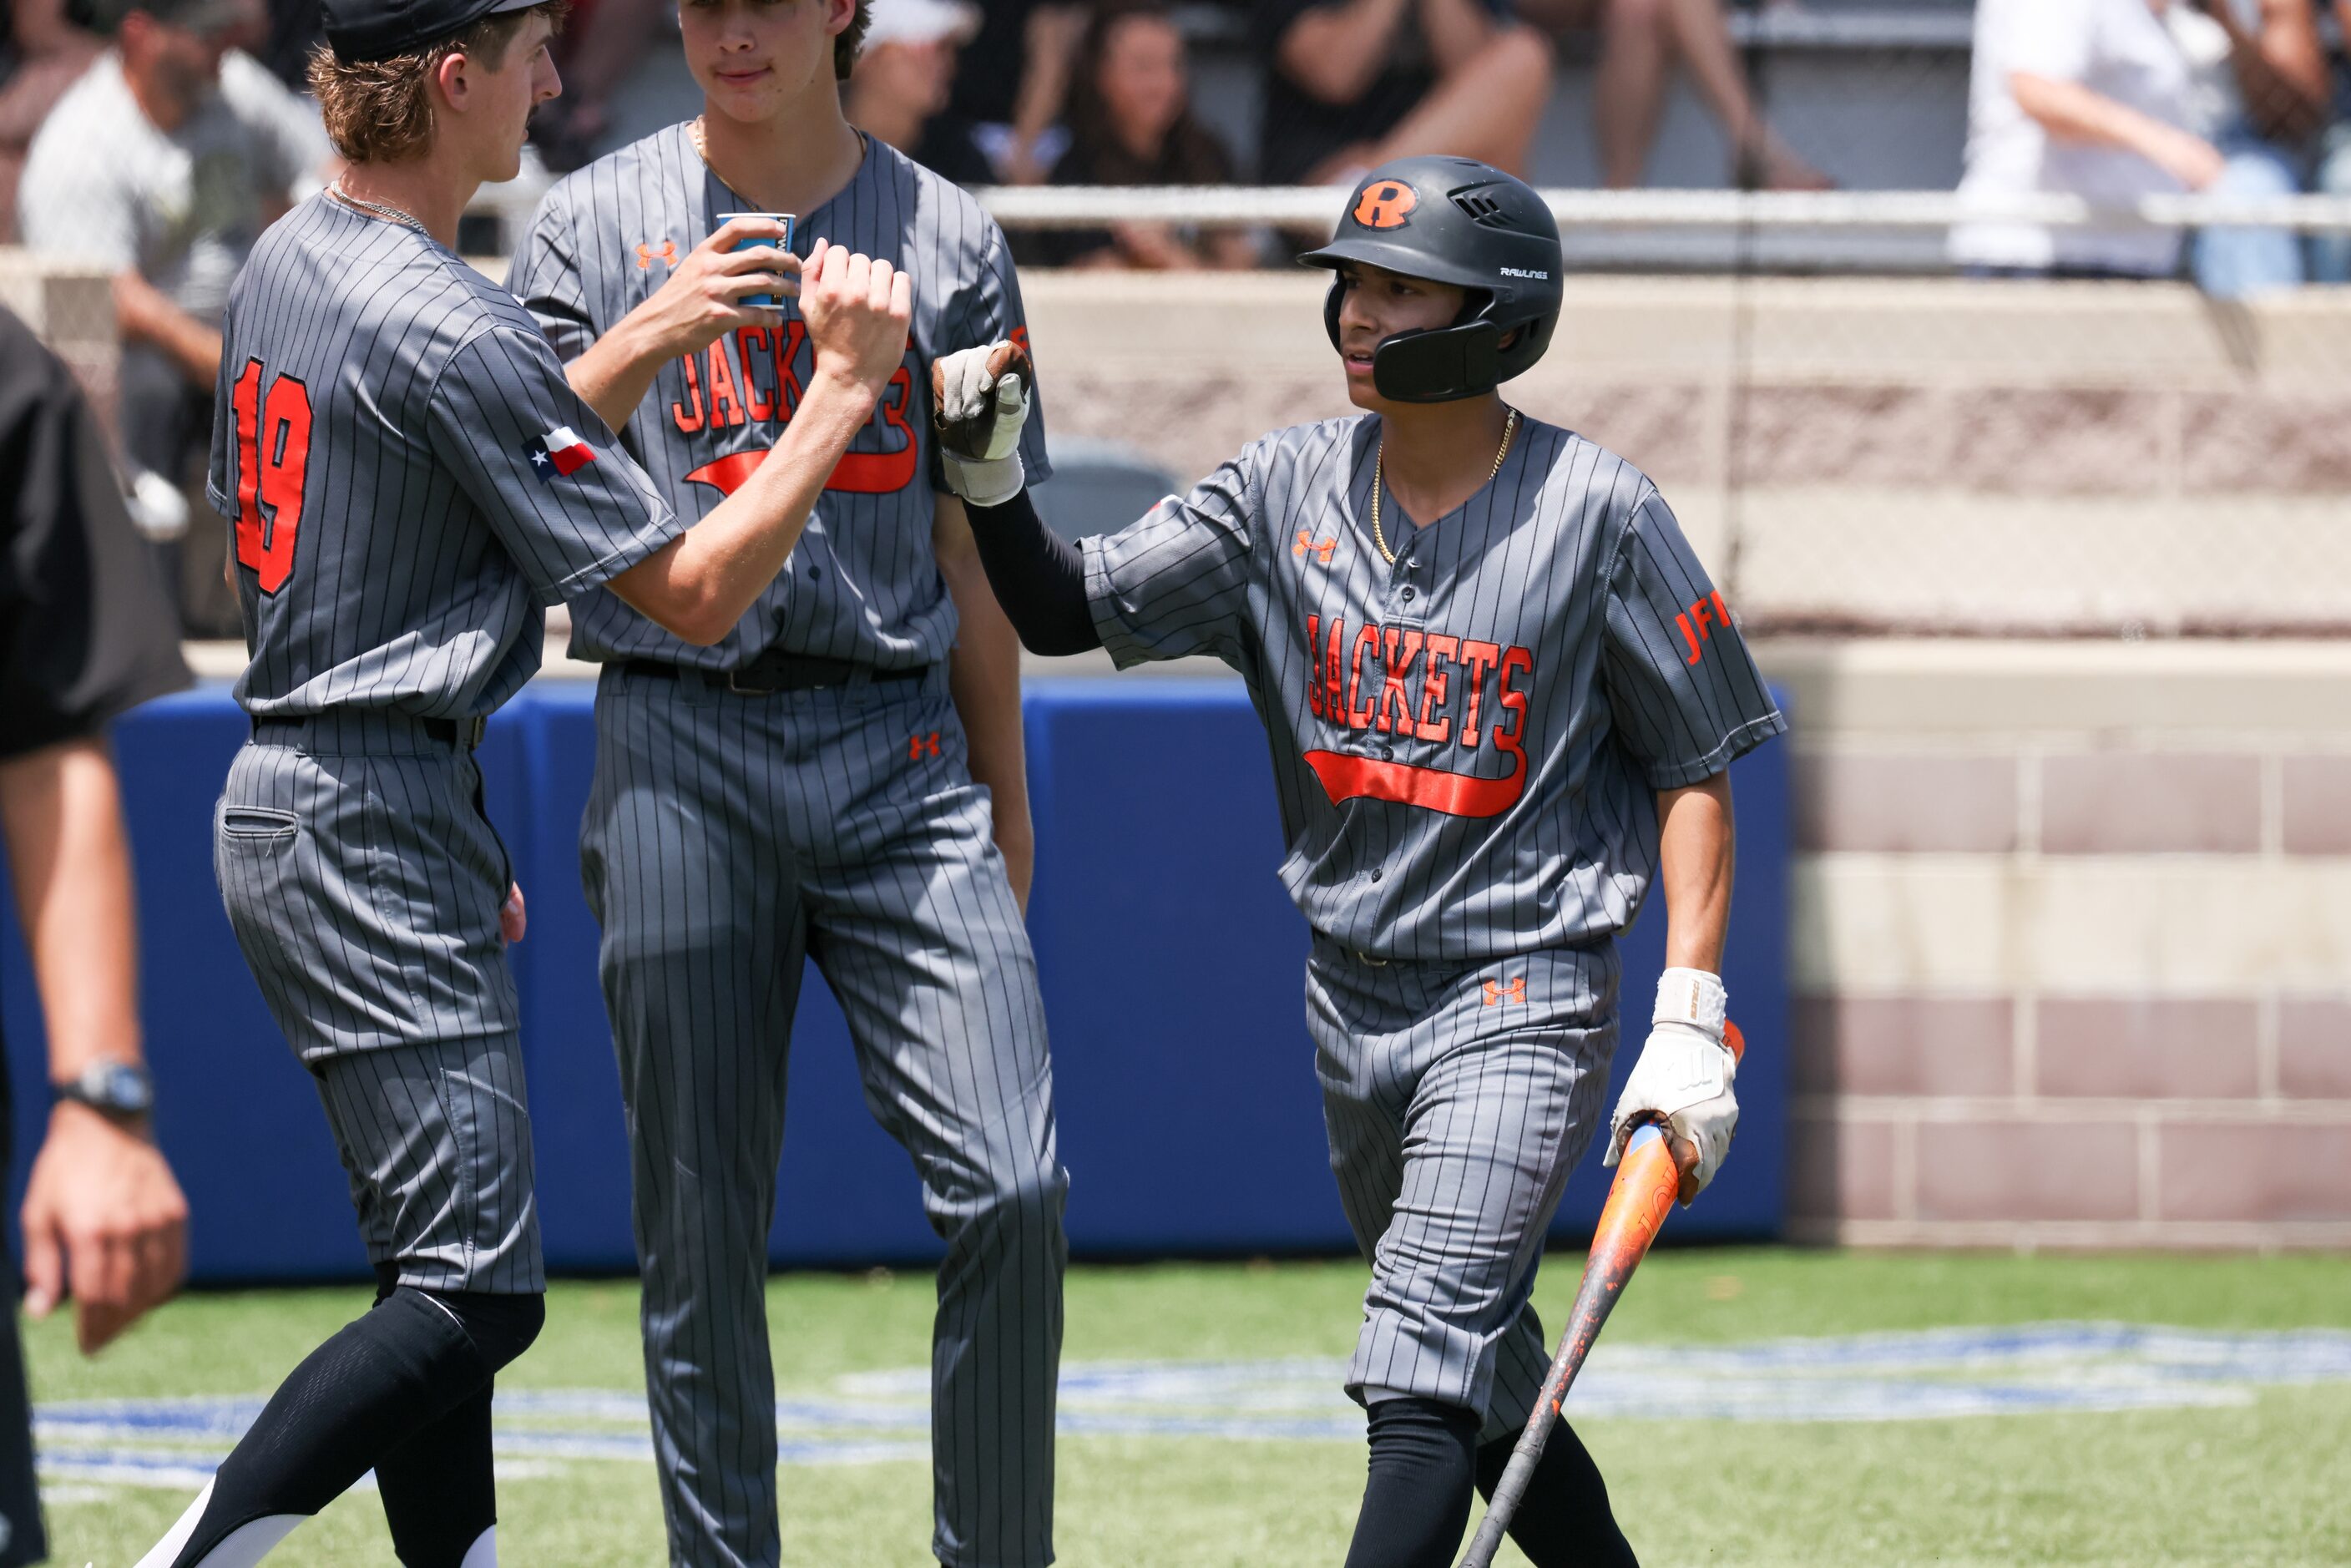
(388, 214)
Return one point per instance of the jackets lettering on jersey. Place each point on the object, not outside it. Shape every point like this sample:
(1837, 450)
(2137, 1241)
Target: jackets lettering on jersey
(756, 376)
(1428, 690)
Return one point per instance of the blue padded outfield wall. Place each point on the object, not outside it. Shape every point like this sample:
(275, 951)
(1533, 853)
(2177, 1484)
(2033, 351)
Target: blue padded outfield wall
(1171, 962)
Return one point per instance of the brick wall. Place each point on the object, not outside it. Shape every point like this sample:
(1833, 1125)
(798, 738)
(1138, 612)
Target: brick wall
(2073, 942)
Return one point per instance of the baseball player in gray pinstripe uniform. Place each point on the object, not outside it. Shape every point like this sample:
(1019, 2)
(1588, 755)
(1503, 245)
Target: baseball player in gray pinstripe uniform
(1502, 696)
(413, 479)
(838, 779)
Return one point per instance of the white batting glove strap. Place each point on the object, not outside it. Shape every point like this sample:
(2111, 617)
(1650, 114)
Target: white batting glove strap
(1692, 997)
(967, 390)
(985, 483)
(1684, 1077)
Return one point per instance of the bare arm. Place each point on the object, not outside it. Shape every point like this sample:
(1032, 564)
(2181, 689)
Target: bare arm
(700, 583)
(1336, 52)
(145, 314)
(1055, 32)
(2071, 112)
(694, 309)
(1457, 29)
(1695, 848)
(984, 677)
(100, 1204)
(2280, 66)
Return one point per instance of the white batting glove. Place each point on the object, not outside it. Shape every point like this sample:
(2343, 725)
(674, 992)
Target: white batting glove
(1684, 1076)
(981, 398)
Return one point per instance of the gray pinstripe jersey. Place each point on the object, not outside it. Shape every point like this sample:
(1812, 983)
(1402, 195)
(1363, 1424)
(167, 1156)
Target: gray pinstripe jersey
(1466, 744)
(862, 583)
(411, 479)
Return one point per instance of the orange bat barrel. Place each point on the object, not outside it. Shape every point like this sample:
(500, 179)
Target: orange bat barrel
(1648, 1182)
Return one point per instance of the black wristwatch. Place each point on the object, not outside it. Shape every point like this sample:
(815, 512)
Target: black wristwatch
(110, 1088)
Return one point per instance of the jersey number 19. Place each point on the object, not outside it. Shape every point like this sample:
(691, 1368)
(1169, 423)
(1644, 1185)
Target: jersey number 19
(273, 458)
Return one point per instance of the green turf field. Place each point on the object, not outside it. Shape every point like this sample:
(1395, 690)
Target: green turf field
(2255, 1473)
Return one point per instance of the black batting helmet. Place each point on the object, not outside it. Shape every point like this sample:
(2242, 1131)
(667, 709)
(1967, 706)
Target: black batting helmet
(1457, 220)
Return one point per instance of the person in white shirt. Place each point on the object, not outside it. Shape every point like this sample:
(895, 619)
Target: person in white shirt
(162, 164)
(2118, 100)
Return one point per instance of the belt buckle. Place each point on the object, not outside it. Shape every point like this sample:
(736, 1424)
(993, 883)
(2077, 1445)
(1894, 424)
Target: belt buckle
(473, 729)
(1364, 957)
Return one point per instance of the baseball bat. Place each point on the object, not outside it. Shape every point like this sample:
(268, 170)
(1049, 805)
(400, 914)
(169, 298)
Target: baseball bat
(1648, 1182)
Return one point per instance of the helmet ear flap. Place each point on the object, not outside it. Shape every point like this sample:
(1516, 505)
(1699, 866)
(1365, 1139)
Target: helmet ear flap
(1438, 366)
(1331, 303)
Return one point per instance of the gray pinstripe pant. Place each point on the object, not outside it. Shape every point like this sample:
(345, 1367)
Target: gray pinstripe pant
(364, 884)
(1457, 1101)
(726, 839)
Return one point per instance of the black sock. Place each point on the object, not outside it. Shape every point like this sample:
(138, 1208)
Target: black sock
(439, 1489)
(1416, 1500)
(404, 1367)
(1563, 1521)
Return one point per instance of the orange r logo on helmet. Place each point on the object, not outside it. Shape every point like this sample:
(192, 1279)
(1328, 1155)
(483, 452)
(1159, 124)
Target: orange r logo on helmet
(1387, 205)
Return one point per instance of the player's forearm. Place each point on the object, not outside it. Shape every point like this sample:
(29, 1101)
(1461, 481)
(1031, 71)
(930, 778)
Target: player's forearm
(617, 370)
(701, 583)
(984, 679)
(62, 813)
(145, 314)
(1695, 854)
(1036, 579)
(1336, 52)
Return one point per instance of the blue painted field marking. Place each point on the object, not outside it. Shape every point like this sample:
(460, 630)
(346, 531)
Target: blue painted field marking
(883, 1417)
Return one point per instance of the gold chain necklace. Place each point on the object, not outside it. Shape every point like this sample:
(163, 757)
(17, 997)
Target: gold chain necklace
(694, 133)
(380, 209)
(1379, 469)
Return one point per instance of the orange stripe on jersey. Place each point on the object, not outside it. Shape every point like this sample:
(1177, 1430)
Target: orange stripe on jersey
(1348, 778)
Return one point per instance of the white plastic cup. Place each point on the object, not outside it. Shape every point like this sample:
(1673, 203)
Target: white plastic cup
(772, 302)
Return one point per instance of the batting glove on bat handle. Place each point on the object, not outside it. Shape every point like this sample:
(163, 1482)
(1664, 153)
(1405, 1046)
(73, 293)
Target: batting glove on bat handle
(1684, 1078)
(980, 400)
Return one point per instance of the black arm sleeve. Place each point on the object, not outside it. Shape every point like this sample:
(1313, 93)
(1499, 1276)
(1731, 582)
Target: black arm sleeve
(1038, 577)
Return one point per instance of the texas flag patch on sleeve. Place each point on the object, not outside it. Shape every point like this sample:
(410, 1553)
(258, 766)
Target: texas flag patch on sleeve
(558, 452)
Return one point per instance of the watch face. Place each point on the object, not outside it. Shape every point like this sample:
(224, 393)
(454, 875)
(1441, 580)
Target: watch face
(112, 1086)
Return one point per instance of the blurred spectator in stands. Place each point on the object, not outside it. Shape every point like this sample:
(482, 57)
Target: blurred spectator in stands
(1356, 82)
(1641, 41)
(1013, 82)
(2118, 100)
(297, 27)
(2092, 97)
(905, 76)
(45, 54)
(164, 163)
(2260, 94)
(84, 635)
(1131, 123)
(2330, 254)
(602, 42)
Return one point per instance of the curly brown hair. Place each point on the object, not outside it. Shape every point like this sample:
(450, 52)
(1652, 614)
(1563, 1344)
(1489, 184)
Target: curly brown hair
(853, 38)
(381, 112)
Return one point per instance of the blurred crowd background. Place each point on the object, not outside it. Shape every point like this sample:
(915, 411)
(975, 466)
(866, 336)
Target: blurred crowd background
(149, 141)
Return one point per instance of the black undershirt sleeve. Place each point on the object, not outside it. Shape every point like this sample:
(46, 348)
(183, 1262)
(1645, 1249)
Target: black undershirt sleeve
(1038, 577)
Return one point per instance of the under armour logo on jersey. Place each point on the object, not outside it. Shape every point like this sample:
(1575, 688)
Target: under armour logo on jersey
(558, 452)
(1699, 622)
(1511, 992)
(1307, 545)
(1387, 205)
(665, 253)
(923, 745)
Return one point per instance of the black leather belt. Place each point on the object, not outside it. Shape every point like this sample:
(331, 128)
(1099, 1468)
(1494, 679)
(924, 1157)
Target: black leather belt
(774, 671)
(368, 731)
